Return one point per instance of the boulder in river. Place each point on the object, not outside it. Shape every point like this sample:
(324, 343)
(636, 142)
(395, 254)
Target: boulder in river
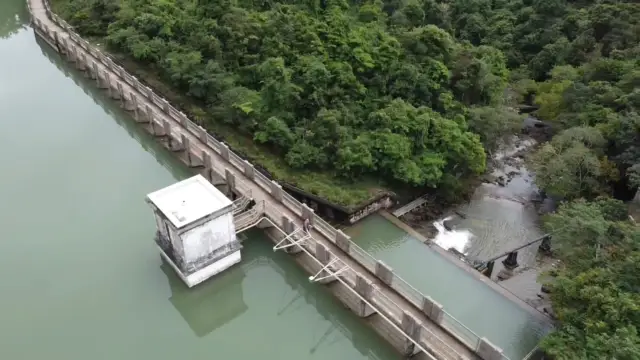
(448, 224)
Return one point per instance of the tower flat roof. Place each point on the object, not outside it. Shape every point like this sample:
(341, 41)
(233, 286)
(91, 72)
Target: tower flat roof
(189, 200)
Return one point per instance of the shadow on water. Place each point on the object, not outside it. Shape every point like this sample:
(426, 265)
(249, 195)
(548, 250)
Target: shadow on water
(341, 319)
(199, 306)
(14, 16)
(122, 117)
(218, 301)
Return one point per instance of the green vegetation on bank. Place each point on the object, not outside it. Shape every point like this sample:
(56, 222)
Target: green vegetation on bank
(592, 93)
(596, 294)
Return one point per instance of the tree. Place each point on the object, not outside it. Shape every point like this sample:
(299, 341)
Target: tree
(550, 93)
(11, 20)
(479, 75)
(572, 165)
(492, 124)
(634, 175)
(311, 81)
(626, 135)
(596, 293)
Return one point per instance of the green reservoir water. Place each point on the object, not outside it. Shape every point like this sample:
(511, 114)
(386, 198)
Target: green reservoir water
(80, 275)
(482, 309)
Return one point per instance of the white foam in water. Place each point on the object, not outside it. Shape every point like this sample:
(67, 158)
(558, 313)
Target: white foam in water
(456, 239)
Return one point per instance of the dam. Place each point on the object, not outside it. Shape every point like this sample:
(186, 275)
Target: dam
(417, 330)
(79, 269)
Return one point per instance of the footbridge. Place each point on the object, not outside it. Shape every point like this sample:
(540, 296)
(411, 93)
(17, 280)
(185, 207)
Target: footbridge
(410, 320)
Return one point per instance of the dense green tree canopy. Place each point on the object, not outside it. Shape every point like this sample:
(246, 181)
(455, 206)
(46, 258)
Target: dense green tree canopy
(573, 164)
(596, 294)
(586, 57)
(349, 88)
(317, 81)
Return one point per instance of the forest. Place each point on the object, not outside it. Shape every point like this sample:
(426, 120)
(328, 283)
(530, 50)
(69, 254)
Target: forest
(327, 88)
(334, 95)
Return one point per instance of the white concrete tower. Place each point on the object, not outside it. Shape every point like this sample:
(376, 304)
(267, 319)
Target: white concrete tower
(196, 234)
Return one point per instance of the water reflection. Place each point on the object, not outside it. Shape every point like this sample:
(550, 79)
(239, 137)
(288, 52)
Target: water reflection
(211, 305)
(340, 323)
(122, 118)
(269, 291)
(13, 16)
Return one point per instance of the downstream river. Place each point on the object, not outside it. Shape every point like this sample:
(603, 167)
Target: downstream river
(80, 275)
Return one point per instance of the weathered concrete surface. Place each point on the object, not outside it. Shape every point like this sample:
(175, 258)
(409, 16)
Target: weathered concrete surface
(178, 134)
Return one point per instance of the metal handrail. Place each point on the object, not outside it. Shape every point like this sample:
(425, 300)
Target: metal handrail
(531, 353)
(382, 297)
(360, 255)
(240, 204)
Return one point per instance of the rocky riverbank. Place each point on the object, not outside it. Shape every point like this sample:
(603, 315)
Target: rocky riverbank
(506, 166)
(501, 214)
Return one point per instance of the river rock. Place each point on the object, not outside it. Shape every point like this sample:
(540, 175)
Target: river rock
(448, 224)
(505, 274)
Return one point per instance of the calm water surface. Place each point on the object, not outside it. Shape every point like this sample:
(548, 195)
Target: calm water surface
(79, 272)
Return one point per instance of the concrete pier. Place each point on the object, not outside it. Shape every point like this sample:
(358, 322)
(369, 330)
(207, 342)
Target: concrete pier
(368, 287)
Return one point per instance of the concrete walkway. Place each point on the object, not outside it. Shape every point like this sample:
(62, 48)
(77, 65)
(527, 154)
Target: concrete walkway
(421, 320)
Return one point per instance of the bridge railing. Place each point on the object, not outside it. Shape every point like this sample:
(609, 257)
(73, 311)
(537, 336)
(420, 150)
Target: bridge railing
(292, 203)
(240, 204)
(533, 354)
(360, 255)
(463, 332)
(248, 218)
(383, 303)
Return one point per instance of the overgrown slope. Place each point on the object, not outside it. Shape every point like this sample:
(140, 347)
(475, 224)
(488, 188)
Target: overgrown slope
(326, 87)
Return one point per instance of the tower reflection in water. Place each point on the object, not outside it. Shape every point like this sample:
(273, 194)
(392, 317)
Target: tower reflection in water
(211, 304)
